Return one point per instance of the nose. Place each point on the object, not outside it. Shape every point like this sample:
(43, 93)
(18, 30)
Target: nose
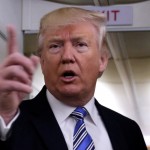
(68, 54)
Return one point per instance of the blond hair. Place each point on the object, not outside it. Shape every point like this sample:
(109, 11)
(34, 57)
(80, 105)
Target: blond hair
(72, 15)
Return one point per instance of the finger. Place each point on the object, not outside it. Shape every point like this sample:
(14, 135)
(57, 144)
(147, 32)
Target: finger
(11, 86)
(22, 61)
(35, 60)
(12, 40)
(17, 73)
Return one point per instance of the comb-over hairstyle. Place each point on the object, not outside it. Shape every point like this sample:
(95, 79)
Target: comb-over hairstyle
(72, 15)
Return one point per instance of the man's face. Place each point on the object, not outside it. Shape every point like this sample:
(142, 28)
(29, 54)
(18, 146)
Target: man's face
(71, 62)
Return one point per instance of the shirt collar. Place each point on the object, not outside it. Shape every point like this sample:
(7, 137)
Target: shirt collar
(62, 111)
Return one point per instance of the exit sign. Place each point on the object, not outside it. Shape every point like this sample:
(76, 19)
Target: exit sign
(116, 15)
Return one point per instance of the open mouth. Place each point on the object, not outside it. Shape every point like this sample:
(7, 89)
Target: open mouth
(69, 74)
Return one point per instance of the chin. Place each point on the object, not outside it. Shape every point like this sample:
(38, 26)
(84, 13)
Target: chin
(70, 92)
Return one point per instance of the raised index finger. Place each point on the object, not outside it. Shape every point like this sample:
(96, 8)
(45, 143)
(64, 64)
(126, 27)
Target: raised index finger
(12, 45)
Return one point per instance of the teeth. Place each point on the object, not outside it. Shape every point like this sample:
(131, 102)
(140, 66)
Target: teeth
(68, 76)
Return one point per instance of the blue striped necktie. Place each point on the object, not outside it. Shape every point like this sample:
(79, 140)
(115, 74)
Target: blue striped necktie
(81, 139)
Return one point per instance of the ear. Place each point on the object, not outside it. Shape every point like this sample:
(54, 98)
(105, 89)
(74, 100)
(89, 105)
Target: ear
(104, 57)
(103, 61)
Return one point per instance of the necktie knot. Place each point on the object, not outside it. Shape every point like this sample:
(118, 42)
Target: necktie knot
(79, 113)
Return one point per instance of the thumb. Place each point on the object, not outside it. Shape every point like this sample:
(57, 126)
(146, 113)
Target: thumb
(35, 60)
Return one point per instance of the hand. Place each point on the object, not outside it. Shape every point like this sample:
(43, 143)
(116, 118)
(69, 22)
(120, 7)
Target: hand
(15, 77)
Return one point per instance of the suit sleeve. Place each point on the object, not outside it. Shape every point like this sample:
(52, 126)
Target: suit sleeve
(4, 129)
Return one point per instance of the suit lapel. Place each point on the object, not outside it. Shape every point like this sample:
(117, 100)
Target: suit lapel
(113, 129)
(45, 123)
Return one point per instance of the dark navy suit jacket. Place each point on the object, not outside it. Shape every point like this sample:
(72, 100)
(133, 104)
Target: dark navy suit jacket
(37, 129)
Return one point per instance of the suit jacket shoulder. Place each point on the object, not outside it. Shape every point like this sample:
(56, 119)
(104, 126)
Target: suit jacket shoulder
(124, 133)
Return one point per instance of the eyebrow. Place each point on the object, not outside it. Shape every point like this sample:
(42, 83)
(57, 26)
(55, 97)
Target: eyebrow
(59, 39)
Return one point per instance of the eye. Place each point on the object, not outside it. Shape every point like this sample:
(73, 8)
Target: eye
(81, 46)
(55, 47)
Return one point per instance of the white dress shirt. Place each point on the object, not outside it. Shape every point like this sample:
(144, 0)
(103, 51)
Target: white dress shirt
(4, 129)
(93, 122)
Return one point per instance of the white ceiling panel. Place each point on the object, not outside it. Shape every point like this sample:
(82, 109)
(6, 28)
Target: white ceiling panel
(98, 2)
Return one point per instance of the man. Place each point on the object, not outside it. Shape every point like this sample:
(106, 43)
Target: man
(73, 54)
